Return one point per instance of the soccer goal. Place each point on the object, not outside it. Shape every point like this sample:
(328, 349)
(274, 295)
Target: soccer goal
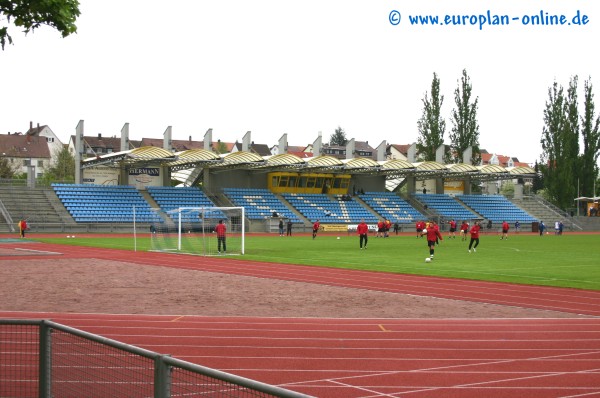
(193, 230)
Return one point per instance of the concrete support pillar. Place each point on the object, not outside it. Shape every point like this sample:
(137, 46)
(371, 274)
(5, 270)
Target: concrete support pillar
(79, 152)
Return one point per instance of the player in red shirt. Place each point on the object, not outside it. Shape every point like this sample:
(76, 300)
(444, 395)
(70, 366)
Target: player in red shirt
(221, 230)
(420, 225)
(363, 232)
(433, 234)
(464, 228)
(474, 236)
(504, 230)
(22, 227)
(452, 233)
(316, 227)
(380, 229)
(387, 224)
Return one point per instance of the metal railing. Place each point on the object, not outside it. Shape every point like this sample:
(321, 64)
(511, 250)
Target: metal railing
(7, 217)
(40, 358)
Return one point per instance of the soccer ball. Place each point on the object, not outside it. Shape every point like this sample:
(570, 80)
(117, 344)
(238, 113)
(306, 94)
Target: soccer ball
(68, 236)
(338, 237)
(427, 259)
(424, 231)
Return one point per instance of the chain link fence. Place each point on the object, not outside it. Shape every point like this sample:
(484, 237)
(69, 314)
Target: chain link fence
(40, 358)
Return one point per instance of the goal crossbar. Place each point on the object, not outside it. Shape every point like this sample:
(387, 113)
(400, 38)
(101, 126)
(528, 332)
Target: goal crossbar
(194, 231)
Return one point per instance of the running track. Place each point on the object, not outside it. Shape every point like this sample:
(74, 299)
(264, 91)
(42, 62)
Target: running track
(372, 357)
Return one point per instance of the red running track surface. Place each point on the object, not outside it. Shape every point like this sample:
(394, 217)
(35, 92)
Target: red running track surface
(373, 357)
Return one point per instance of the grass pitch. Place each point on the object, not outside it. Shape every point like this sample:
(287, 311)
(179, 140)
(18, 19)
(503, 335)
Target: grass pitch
(565, 261)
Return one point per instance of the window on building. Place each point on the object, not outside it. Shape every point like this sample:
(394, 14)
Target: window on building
(49, 139)
(40, 163)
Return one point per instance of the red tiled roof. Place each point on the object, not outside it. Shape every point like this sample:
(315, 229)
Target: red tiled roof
(403, 149)
(502, 159)
(24, 146)
(296, 148)
(301, 154)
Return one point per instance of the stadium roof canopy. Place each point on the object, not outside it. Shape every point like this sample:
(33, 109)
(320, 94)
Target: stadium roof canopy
(588, 199)
(138, 157)
(284, 161)
(391, 169)
(361, 166)
(193, 158)
(324, 163)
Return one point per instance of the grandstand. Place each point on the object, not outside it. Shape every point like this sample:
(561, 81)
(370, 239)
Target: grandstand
(391, 207)
(301, 190)
(105, 204)
(496, 208)
(171, 198)
(446, 206)
(94, 207)
(323, 207)
(259, 204)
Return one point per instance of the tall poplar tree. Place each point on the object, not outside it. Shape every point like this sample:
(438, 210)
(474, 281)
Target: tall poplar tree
(431, 125)
(465, 128)
(569, 170)
(590, 134)
(552, 151)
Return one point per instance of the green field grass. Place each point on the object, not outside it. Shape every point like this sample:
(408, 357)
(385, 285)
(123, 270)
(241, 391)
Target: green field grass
(566, 261)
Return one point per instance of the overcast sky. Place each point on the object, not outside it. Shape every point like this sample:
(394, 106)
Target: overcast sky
(275, 67)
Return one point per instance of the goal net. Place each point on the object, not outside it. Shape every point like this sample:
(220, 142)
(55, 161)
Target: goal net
(193, 230)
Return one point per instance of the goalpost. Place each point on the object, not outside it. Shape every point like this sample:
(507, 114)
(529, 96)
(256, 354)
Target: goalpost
(191, 230)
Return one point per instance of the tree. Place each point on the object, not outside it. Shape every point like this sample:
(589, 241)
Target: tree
(338, 138)
(590, 134)
(31, 14)
(465, 129)
(6, 169)
(560, 144)
(569, 170)
(538, 181)
(431, 125)
(551, 135)
(63, 168)
(220, 147)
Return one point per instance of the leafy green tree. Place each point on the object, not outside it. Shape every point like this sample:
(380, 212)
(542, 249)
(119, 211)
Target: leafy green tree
(551, 139)
(507, 188)
(588, 170)
(63, 168)
(431, 125)
(538, 181)
(338, 137)
(569, 171)
(6, 169)
(29, 15)
(465, 128)
(560, 144)
(220, 147)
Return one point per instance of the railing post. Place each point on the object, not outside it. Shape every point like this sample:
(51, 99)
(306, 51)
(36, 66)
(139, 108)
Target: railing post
(162, 378)
(45, 365)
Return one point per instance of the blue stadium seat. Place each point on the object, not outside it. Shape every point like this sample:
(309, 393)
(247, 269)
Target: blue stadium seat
(446, 206)
(496, 208)
(101, 204)
(259, 203)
